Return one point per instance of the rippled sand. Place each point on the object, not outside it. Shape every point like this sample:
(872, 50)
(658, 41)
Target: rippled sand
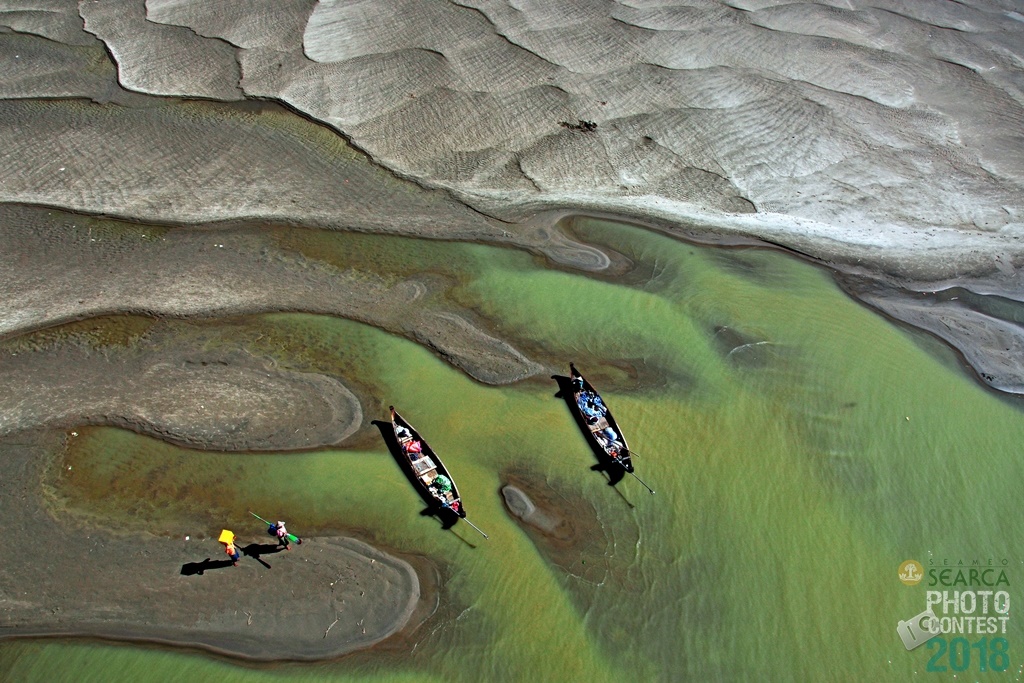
(148, 146)
(883, 139)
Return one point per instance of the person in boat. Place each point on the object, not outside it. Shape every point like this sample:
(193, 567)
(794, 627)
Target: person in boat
(402, 432)
(414, 449)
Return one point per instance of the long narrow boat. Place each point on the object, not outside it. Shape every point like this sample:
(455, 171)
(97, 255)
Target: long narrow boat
(603, 430)
(428, 471)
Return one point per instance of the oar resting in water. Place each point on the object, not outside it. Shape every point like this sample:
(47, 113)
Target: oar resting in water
(642, 482)
(445, 504)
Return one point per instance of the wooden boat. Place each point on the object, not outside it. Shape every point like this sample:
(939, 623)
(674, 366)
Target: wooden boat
(427, 469)
(602, 428)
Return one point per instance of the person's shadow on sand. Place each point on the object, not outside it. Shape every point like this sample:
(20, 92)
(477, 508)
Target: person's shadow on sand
(254, 550)
(194, 568)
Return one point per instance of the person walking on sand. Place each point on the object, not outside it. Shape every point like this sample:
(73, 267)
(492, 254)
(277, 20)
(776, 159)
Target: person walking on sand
(227, 537)
(232, 552)
(283, 535)
(278, 530)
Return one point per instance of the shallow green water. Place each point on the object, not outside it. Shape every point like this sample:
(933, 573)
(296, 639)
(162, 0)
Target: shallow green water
(769, 412)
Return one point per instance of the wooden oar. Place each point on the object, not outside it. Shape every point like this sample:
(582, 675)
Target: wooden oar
(642, 482)
(292, 538)
(632, 452)
(475, 527)
(465, 519)
(260, 518)
(623, 466)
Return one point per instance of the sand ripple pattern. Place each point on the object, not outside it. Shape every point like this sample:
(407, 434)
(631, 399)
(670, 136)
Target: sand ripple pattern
(889, 118)
(840, 115)
(883, 136)
(123, 268)
(199, 400)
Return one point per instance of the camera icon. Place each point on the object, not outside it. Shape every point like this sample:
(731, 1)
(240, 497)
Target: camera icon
(918, 630)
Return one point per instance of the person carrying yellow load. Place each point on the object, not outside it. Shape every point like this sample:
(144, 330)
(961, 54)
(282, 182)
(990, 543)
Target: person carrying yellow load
(228, 539)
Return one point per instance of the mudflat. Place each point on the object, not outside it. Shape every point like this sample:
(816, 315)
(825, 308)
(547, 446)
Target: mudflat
(321, 599)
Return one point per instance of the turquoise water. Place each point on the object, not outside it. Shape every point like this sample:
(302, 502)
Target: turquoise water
(801, 448)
